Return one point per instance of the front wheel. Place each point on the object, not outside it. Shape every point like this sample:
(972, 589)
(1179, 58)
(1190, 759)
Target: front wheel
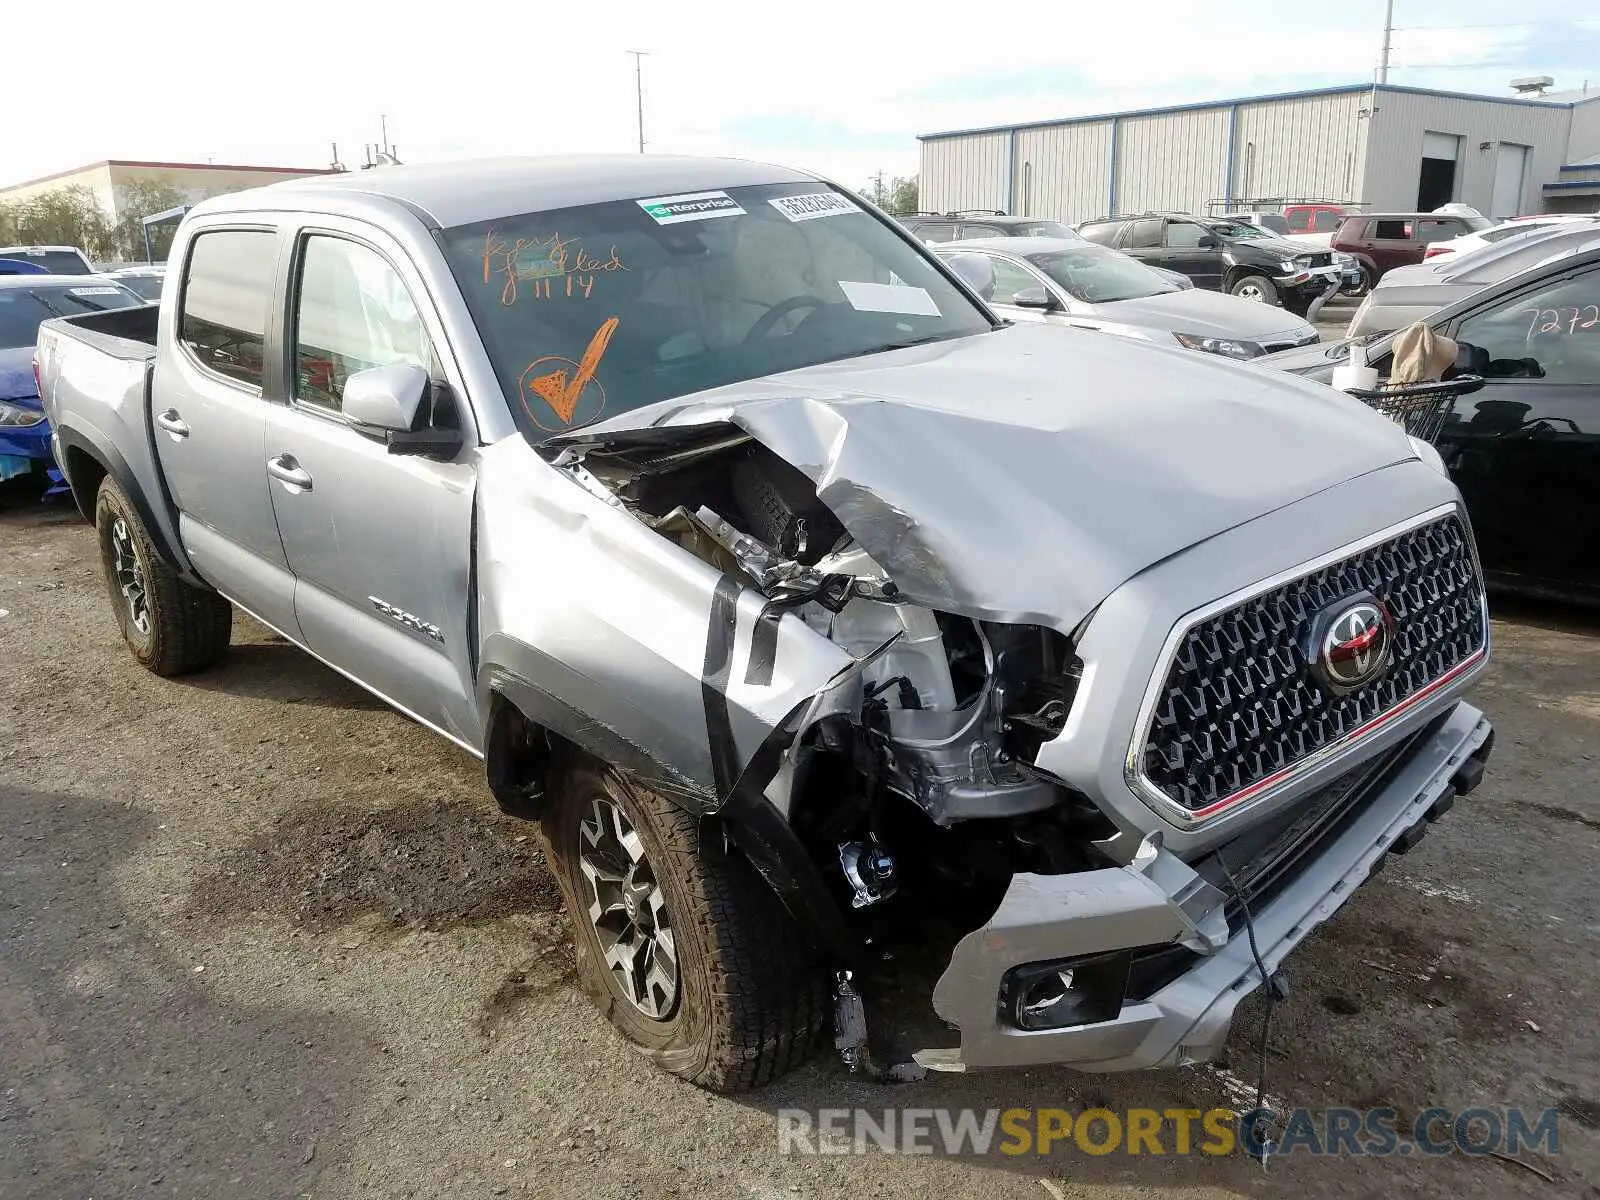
(171, 626)
(1358, 289)
(678, 941)
(1256, 287)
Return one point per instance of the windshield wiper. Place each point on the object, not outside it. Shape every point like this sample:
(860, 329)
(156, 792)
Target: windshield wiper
(904, 344)
(45, 304)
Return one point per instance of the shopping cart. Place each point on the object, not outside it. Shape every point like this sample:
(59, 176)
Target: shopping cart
(1421, 408)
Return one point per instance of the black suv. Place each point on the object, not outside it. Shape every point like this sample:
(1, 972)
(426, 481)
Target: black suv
(1256, 268)
(980, 223)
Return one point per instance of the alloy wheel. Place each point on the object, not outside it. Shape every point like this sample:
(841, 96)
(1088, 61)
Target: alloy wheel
(129, 576)
(628, 910)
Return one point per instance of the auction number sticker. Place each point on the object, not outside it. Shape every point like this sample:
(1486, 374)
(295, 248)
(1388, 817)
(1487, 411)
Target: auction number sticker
(94, 291)
(692, 206)
(813, 205)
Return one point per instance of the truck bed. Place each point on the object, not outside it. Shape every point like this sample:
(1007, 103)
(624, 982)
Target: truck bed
(94, 382)
(127, 333)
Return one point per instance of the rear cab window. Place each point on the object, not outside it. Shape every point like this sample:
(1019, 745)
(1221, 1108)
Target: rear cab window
(227, 292)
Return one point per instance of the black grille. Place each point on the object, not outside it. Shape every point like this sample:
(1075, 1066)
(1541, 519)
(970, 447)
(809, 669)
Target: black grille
(1239, 702)
(1322, 260)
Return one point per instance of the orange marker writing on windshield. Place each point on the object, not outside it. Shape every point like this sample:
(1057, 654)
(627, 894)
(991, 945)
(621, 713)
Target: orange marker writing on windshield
(561, 391)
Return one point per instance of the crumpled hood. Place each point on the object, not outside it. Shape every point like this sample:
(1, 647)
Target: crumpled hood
(16, 375)
(1022, 475)
(1211, 314)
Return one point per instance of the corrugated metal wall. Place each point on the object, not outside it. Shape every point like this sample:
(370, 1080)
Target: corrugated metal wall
(1063, 171)
(963, 172)
(1303, 147)
(1318, 146)
(1584, 141)
(1394, 156)
(1173, 161)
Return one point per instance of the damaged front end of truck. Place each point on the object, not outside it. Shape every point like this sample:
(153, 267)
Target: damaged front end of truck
(909, 692)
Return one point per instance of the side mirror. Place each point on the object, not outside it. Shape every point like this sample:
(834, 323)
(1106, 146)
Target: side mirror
(384, 403)
(1036, 297)
(1209, 241)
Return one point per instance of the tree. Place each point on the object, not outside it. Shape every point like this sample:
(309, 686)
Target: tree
(139, 199)
(898, 197)
(64, 216)
(903, 196)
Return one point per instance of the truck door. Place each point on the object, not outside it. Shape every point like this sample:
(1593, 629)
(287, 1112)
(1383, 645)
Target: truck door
(210, 420)
(380, 544)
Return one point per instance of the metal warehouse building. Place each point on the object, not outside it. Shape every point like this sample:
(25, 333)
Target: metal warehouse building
(1396, 149)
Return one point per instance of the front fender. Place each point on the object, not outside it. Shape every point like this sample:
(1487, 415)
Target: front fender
(624, 643)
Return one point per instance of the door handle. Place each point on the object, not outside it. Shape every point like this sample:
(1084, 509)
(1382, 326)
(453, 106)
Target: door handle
(291, 474)
(173, 424)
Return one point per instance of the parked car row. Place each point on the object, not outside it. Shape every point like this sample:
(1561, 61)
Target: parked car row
(1525, 450)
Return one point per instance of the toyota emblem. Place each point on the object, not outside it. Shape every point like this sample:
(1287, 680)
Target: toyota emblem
(1352, 642)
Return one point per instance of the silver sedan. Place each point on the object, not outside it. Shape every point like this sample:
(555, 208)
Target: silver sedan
(1077, 283)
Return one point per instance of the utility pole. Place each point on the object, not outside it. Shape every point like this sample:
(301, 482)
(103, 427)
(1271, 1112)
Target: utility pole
(638, 90)
(1388, 36)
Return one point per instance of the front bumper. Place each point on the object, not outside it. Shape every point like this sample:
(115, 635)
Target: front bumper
(1161, 901)
(23, 448)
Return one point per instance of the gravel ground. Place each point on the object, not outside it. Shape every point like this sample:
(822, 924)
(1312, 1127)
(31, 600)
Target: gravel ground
(260, 936)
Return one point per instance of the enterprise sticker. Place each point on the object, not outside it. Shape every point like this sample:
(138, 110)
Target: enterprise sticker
(693, 206)
(813, 205)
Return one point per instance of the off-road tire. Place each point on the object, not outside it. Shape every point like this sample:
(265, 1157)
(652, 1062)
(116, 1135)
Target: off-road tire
(189, 627)
(1268, 291)
(751, 999)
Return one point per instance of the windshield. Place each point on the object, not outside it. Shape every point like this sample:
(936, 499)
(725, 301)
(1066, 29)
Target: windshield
(57, 262)
(22, 308)
(1099, 276)
(147, 286)
(1240, 229)
(1053, 229)
(592, 311)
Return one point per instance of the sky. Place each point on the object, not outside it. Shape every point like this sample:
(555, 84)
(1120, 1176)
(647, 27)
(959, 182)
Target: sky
(839, 88)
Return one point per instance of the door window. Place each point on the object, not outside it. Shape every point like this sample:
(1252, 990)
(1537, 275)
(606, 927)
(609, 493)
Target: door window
(1391, 231)
(1299, 220)
(978, 231)
(1184, 235)
(1145, 234)
(1011, 278)
(227, 289)
(934, 233)
(1550, 334)
(353, 312)
(1325, 221)
(1438, 231)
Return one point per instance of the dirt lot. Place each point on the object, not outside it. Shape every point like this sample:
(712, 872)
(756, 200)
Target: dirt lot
(260, 936)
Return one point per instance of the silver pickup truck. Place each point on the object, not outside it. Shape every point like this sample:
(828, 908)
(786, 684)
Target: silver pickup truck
(811, 609)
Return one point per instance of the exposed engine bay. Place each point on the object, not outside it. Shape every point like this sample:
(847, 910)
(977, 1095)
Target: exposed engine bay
(931, 780)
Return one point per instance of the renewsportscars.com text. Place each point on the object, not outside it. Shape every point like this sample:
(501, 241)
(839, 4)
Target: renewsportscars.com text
(1179, 1131)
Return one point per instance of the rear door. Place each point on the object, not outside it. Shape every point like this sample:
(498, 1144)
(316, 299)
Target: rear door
(1391, 241)
(1525, 450)
(210, 418)
(380, 544)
